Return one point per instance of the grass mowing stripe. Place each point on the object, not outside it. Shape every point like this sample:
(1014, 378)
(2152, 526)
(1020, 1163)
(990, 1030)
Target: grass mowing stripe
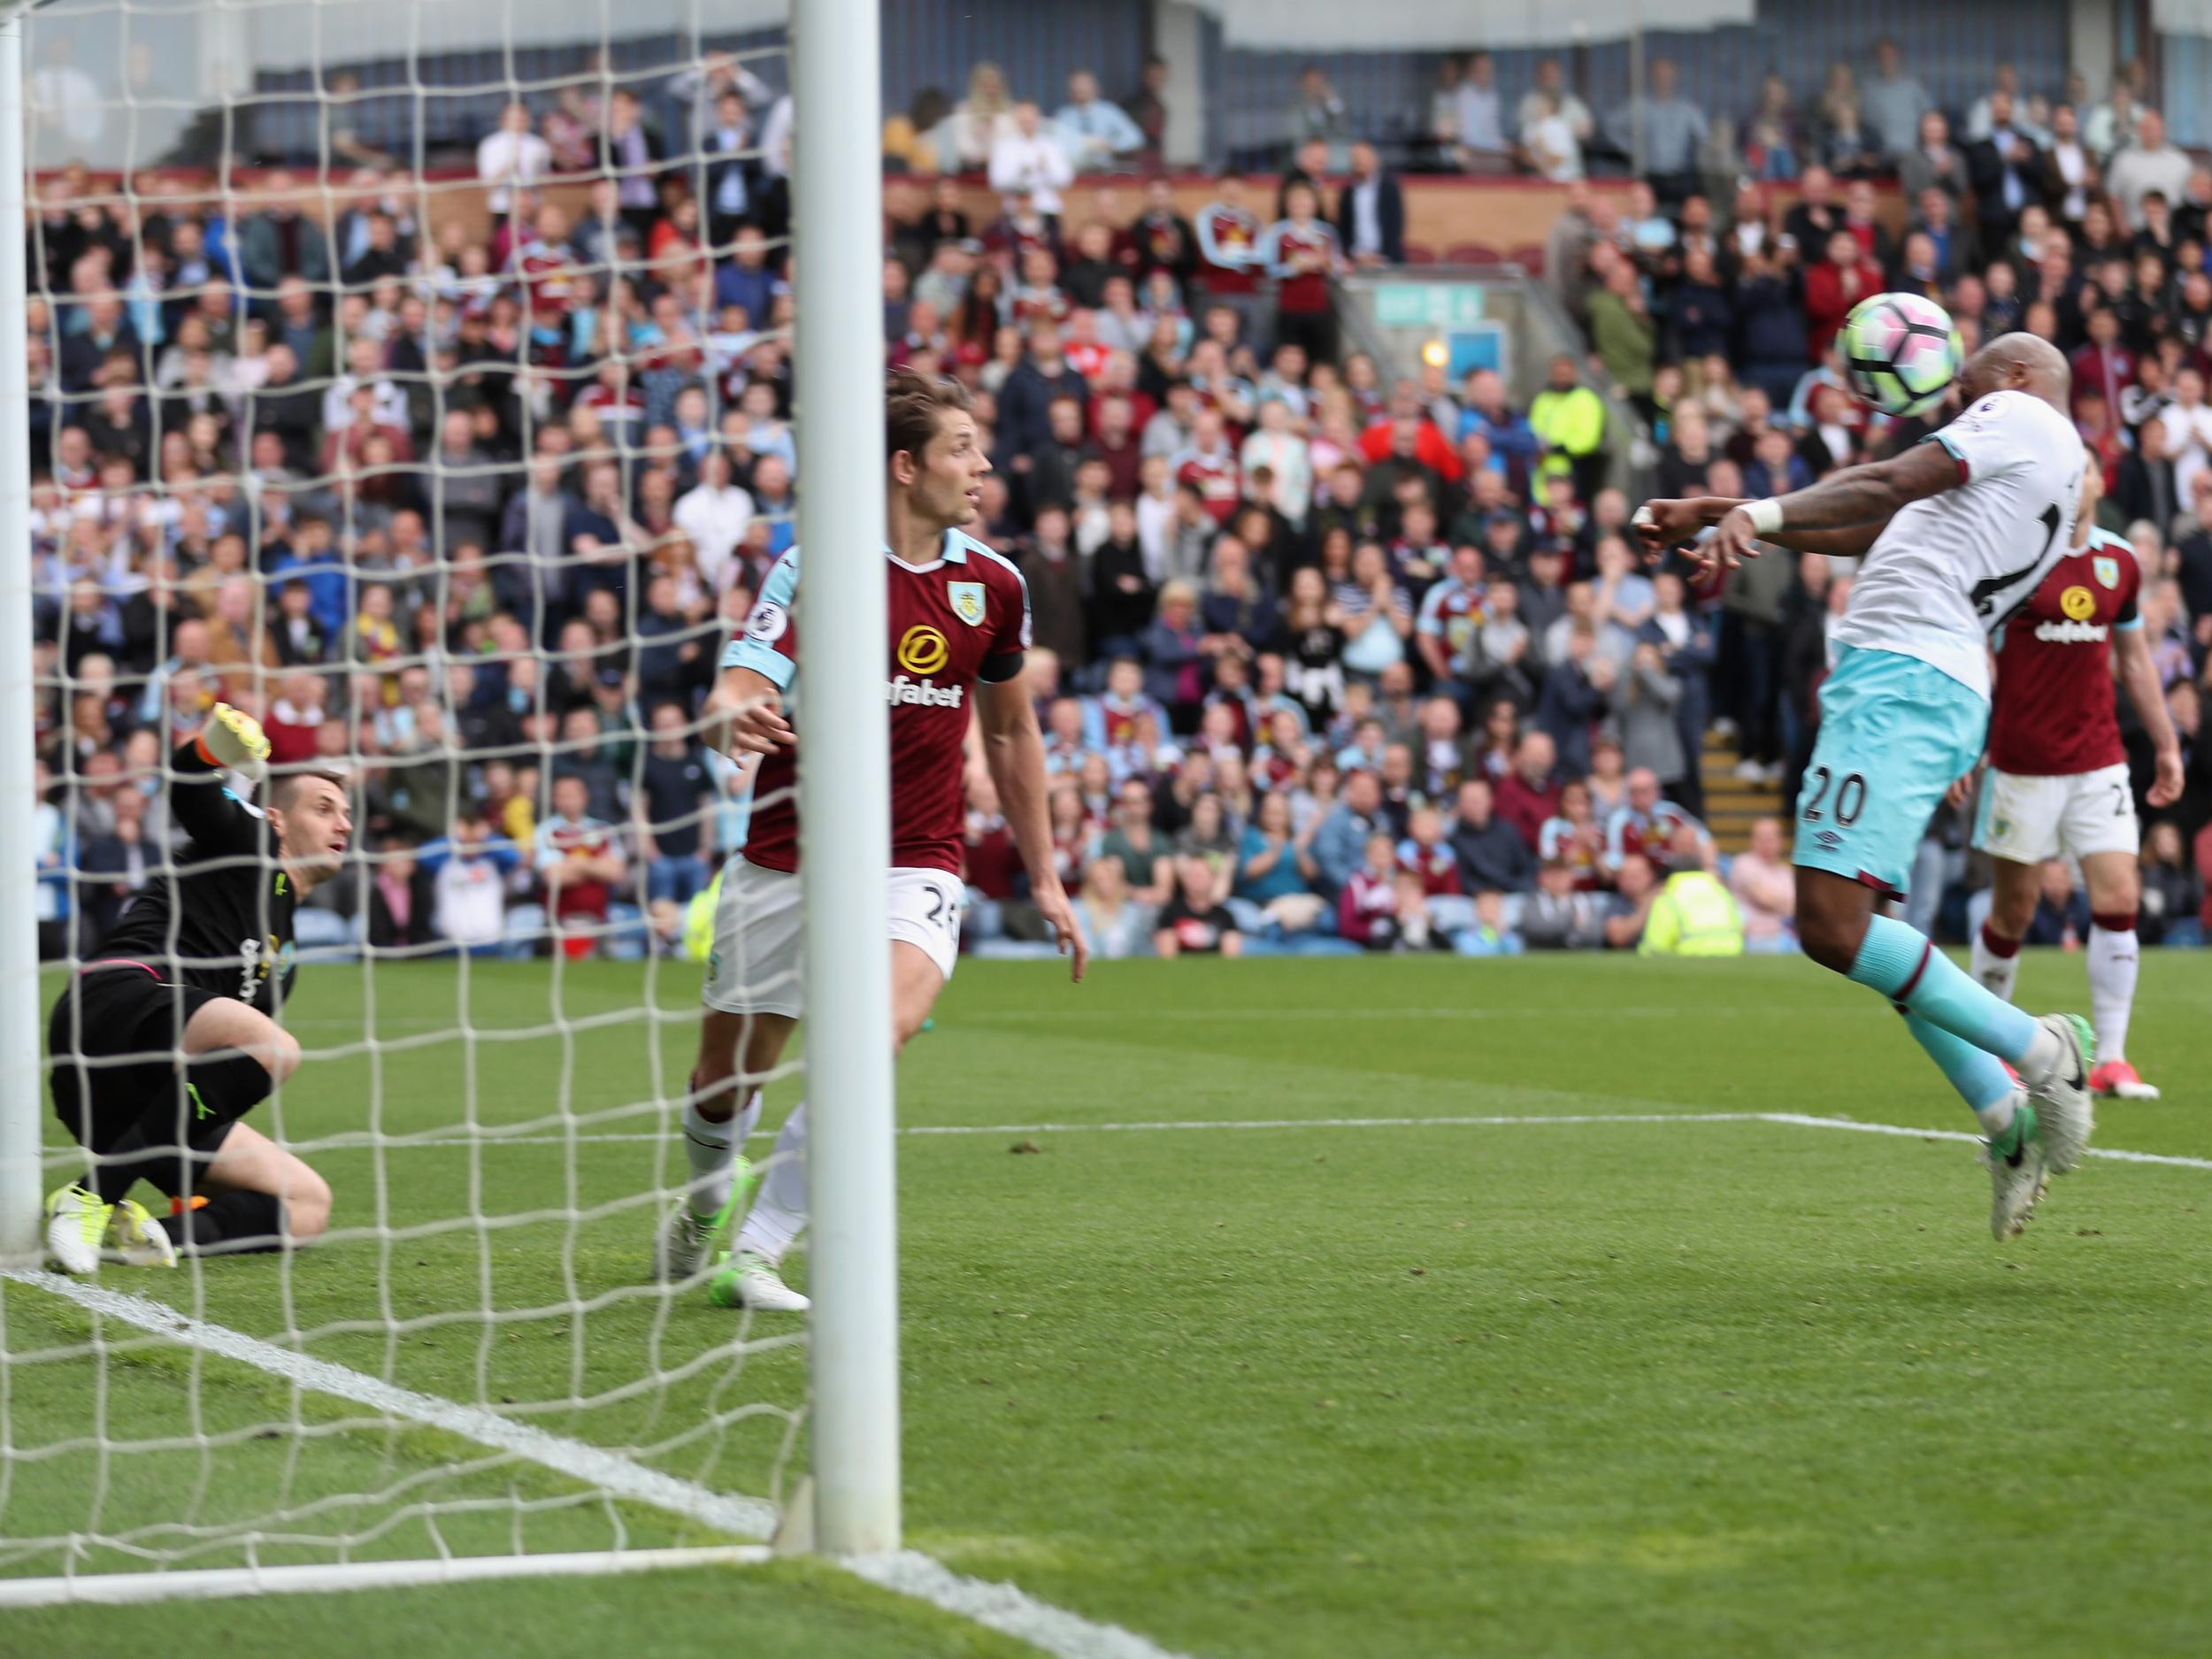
(1000, 1607)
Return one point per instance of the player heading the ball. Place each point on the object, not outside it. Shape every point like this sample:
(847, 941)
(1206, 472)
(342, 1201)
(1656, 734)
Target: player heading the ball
(1956, 532)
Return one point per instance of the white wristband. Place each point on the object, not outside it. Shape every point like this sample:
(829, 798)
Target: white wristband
(1766, 516)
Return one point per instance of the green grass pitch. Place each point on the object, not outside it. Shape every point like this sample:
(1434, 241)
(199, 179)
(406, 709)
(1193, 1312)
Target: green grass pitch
(1531, 1388)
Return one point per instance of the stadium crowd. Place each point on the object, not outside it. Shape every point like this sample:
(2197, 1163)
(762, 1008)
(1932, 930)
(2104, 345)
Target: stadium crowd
(1328, 658)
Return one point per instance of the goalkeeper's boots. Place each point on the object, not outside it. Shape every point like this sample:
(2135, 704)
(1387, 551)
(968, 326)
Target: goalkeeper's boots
(746, 1280)
(138, 1239)
(2017, 1176)
(76, 1227)
(2064, 1107)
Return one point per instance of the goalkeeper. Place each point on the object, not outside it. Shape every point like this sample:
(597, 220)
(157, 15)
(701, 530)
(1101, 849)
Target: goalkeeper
(168, 1036)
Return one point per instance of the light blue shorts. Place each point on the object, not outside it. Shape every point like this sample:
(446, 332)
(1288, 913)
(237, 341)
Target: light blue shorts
(1895, 734)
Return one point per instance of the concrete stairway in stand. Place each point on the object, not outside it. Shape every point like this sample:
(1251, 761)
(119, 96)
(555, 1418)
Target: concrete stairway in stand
(1731, 804)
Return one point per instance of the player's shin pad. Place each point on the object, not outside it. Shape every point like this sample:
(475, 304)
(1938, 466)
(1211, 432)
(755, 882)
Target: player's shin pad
(210, 1094)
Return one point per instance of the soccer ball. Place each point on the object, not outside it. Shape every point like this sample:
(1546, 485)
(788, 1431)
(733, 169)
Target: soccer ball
(1900, 352)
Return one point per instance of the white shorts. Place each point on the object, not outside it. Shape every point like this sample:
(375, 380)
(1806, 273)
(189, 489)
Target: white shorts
(2028, 820)
(755, 967)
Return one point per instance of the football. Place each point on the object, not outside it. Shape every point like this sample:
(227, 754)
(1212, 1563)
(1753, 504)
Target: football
(1900, 352)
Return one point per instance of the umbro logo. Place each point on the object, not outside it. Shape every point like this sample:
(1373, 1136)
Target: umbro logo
(1829, 839)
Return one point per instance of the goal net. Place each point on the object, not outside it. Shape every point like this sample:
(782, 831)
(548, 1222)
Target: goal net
(418, 378)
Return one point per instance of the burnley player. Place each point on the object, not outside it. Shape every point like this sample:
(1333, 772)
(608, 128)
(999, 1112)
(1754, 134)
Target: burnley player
(959, 626)
(168, 1036)
(2057, 784)
(1956, 532)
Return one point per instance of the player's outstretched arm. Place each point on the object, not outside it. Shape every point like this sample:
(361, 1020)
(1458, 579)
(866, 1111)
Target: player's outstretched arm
(217, 821)
(1014, 752)
(1858, 498)
(2138, 674)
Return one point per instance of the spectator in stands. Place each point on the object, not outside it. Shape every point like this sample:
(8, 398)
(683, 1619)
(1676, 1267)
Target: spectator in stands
(963, 142)
(1193, 921)
(2151, 163)
(580, 860)
(512, 157)
(1624, 333)
(1773, 143)
(2110, 127)
(1766, 888)
(1317, 113)
(1636, 886)
(1301, 252)
(1548, 97)
(1568, 422)
(1548, 143)
(1492, 856)
(1693, 914)
(1847, 143)
(1478, 116)
(1663, 132)
(1133, 844)
(1339, 841)
(2006, 172)
(1833, 287)
(1115, 923)
(1371, 211)
(1097, 135)
(1934, 162)
(2173, 894)
(1892, 102)
(1026, 159)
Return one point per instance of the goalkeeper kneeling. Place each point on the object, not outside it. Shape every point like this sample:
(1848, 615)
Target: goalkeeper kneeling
(168, 1035)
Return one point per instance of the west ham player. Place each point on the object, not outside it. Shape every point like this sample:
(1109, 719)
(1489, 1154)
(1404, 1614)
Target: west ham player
(1957, 533)
(959, 625)
(2057, 783)
(168, 1036)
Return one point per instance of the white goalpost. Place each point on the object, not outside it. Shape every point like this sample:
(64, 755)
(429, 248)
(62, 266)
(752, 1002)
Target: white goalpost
(474, 1373)
(847, 805)
(21, 1095)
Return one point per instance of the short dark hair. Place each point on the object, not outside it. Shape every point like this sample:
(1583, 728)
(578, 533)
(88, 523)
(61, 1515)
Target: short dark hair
(284, 786)
(912, 406)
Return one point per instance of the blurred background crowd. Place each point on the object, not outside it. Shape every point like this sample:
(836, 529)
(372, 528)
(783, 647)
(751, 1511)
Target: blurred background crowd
(460, 482)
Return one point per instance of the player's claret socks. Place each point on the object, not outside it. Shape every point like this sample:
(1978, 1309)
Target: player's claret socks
(1996, 961)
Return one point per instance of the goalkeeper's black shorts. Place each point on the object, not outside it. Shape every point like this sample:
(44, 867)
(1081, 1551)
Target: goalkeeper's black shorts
(114, 1039)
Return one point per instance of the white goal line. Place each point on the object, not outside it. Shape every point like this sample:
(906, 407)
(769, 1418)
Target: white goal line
(1180, 1126)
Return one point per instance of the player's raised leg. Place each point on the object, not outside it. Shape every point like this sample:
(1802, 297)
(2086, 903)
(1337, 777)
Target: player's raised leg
(1895, 734)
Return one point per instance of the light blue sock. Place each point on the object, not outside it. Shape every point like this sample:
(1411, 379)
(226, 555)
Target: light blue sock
(1906, 968)
(1979, 1077)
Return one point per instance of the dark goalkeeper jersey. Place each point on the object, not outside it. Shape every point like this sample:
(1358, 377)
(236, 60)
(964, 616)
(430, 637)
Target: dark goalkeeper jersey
(221, 921)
